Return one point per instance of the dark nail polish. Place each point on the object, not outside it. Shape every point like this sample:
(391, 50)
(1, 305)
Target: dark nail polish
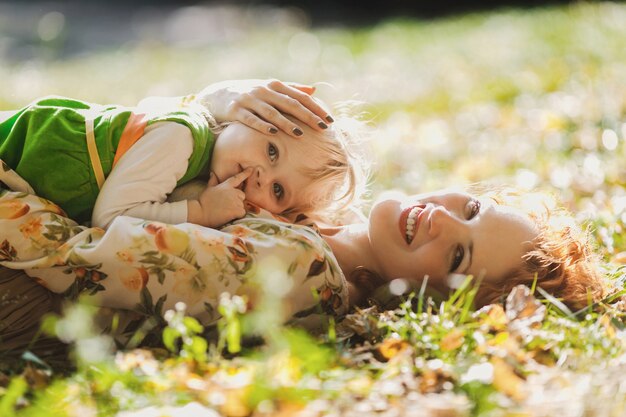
(297, 131)
(273, 130)
(329, 118)
(323, 125)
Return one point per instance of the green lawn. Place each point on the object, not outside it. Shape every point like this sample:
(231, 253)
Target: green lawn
(532, 98)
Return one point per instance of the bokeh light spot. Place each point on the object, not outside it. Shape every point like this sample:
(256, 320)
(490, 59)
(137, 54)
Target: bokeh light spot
(304, 47)
(609, 139)
(50, 26)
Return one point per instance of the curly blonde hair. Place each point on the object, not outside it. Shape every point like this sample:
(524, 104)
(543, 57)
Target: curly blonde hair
(562, 261)
(339, 171)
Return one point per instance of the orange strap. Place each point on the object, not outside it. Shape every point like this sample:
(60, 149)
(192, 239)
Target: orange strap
(132, 132)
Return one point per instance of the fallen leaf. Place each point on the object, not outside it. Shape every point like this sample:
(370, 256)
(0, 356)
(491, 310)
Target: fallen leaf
(433, 380)
(453, 340)
(389, 347)
(492, 316)
(36, 378)
(506, 380)
(523, 310)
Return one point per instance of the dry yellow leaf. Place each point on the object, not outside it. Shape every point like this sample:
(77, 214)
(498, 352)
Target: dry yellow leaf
(494, 317)
(453, 340)
(389, 348)
(432, 381)
(506, 380)
(235, 403)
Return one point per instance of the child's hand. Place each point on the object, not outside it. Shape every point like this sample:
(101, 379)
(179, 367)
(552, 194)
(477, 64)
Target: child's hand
(223, 202)
(259, 103)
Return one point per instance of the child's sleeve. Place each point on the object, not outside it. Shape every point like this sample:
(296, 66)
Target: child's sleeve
(139, 183)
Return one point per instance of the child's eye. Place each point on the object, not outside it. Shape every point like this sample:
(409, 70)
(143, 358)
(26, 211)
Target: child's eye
(272, 152)
(458, 258)
(278, 190)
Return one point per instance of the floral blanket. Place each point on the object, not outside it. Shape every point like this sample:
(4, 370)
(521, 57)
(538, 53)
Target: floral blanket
(148, 267)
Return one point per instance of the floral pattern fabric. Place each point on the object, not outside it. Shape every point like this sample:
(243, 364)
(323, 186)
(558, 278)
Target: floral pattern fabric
(148, 267)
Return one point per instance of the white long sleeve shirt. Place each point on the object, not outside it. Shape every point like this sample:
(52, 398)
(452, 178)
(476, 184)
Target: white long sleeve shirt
(139, 183)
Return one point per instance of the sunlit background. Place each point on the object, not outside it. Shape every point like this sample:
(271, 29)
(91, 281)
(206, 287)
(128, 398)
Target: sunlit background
(456, 93)
(531, 97)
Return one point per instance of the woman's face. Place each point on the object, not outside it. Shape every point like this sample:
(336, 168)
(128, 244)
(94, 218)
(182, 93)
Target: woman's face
(448, 232)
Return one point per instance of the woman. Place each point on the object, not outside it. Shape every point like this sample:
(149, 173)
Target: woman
(148, 267)
(503, 239)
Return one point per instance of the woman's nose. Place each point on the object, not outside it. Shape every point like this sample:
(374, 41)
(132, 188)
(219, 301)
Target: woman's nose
(441, 221)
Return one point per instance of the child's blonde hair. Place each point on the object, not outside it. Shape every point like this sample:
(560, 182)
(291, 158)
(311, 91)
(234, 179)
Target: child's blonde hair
(338, 168)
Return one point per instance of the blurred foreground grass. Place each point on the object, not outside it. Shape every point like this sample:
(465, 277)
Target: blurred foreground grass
(534, 99)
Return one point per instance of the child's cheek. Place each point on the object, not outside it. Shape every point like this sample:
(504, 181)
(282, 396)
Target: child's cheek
(257, 200)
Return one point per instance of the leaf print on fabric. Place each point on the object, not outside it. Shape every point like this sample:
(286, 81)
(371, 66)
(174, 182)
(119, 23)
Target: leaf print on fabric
(147, 307)
(50, 207)
(159, 263)
(239, 251)
(267, 229)
(330, 300)
(61, 229)
(317, 267)
(87, 279)
(7, 252)
(13, 209)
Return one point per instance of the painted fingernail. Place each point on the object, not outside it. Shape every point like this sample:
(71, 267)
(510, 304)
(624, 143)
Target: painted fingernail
(323, 125)
(296, 131)
(329, 118)
(273, 130)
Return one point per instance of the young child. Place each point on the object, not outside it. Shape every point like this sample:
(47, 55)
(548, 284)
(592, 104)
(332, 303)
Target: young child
(98, 162)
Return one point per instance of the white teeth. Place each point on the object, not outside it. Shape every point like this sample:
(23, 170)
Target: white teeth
(410, 223)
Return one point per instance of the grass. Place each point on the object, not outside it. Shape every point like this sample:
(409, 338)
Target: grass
(532, 98)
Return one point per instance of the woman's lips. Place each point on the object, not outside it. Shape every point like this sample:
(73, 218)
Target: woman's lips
(408, 231)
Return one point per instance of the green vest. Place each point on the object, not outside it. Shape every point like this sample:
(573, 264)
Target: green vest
(45, 143)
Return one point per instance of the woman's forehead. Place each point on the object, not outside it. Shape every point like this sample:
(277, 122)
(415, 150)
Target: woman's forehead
(503, 237)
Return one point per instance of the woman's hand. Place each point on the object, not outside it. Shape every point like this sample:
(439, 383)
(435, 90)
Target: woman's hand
(259, 103)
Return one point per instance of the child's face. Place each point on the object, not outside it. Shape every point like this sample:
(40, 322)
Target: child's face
(277, 183)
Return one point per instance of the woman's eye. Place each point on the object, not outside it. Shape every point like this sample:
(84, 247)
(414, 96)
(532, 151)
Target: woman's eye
(278, 190)
(272, 152)
(458, 258)
(474, 209)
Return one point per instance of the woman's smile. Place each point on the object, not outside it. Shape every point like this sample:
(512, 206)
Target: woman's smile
(410, 220)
